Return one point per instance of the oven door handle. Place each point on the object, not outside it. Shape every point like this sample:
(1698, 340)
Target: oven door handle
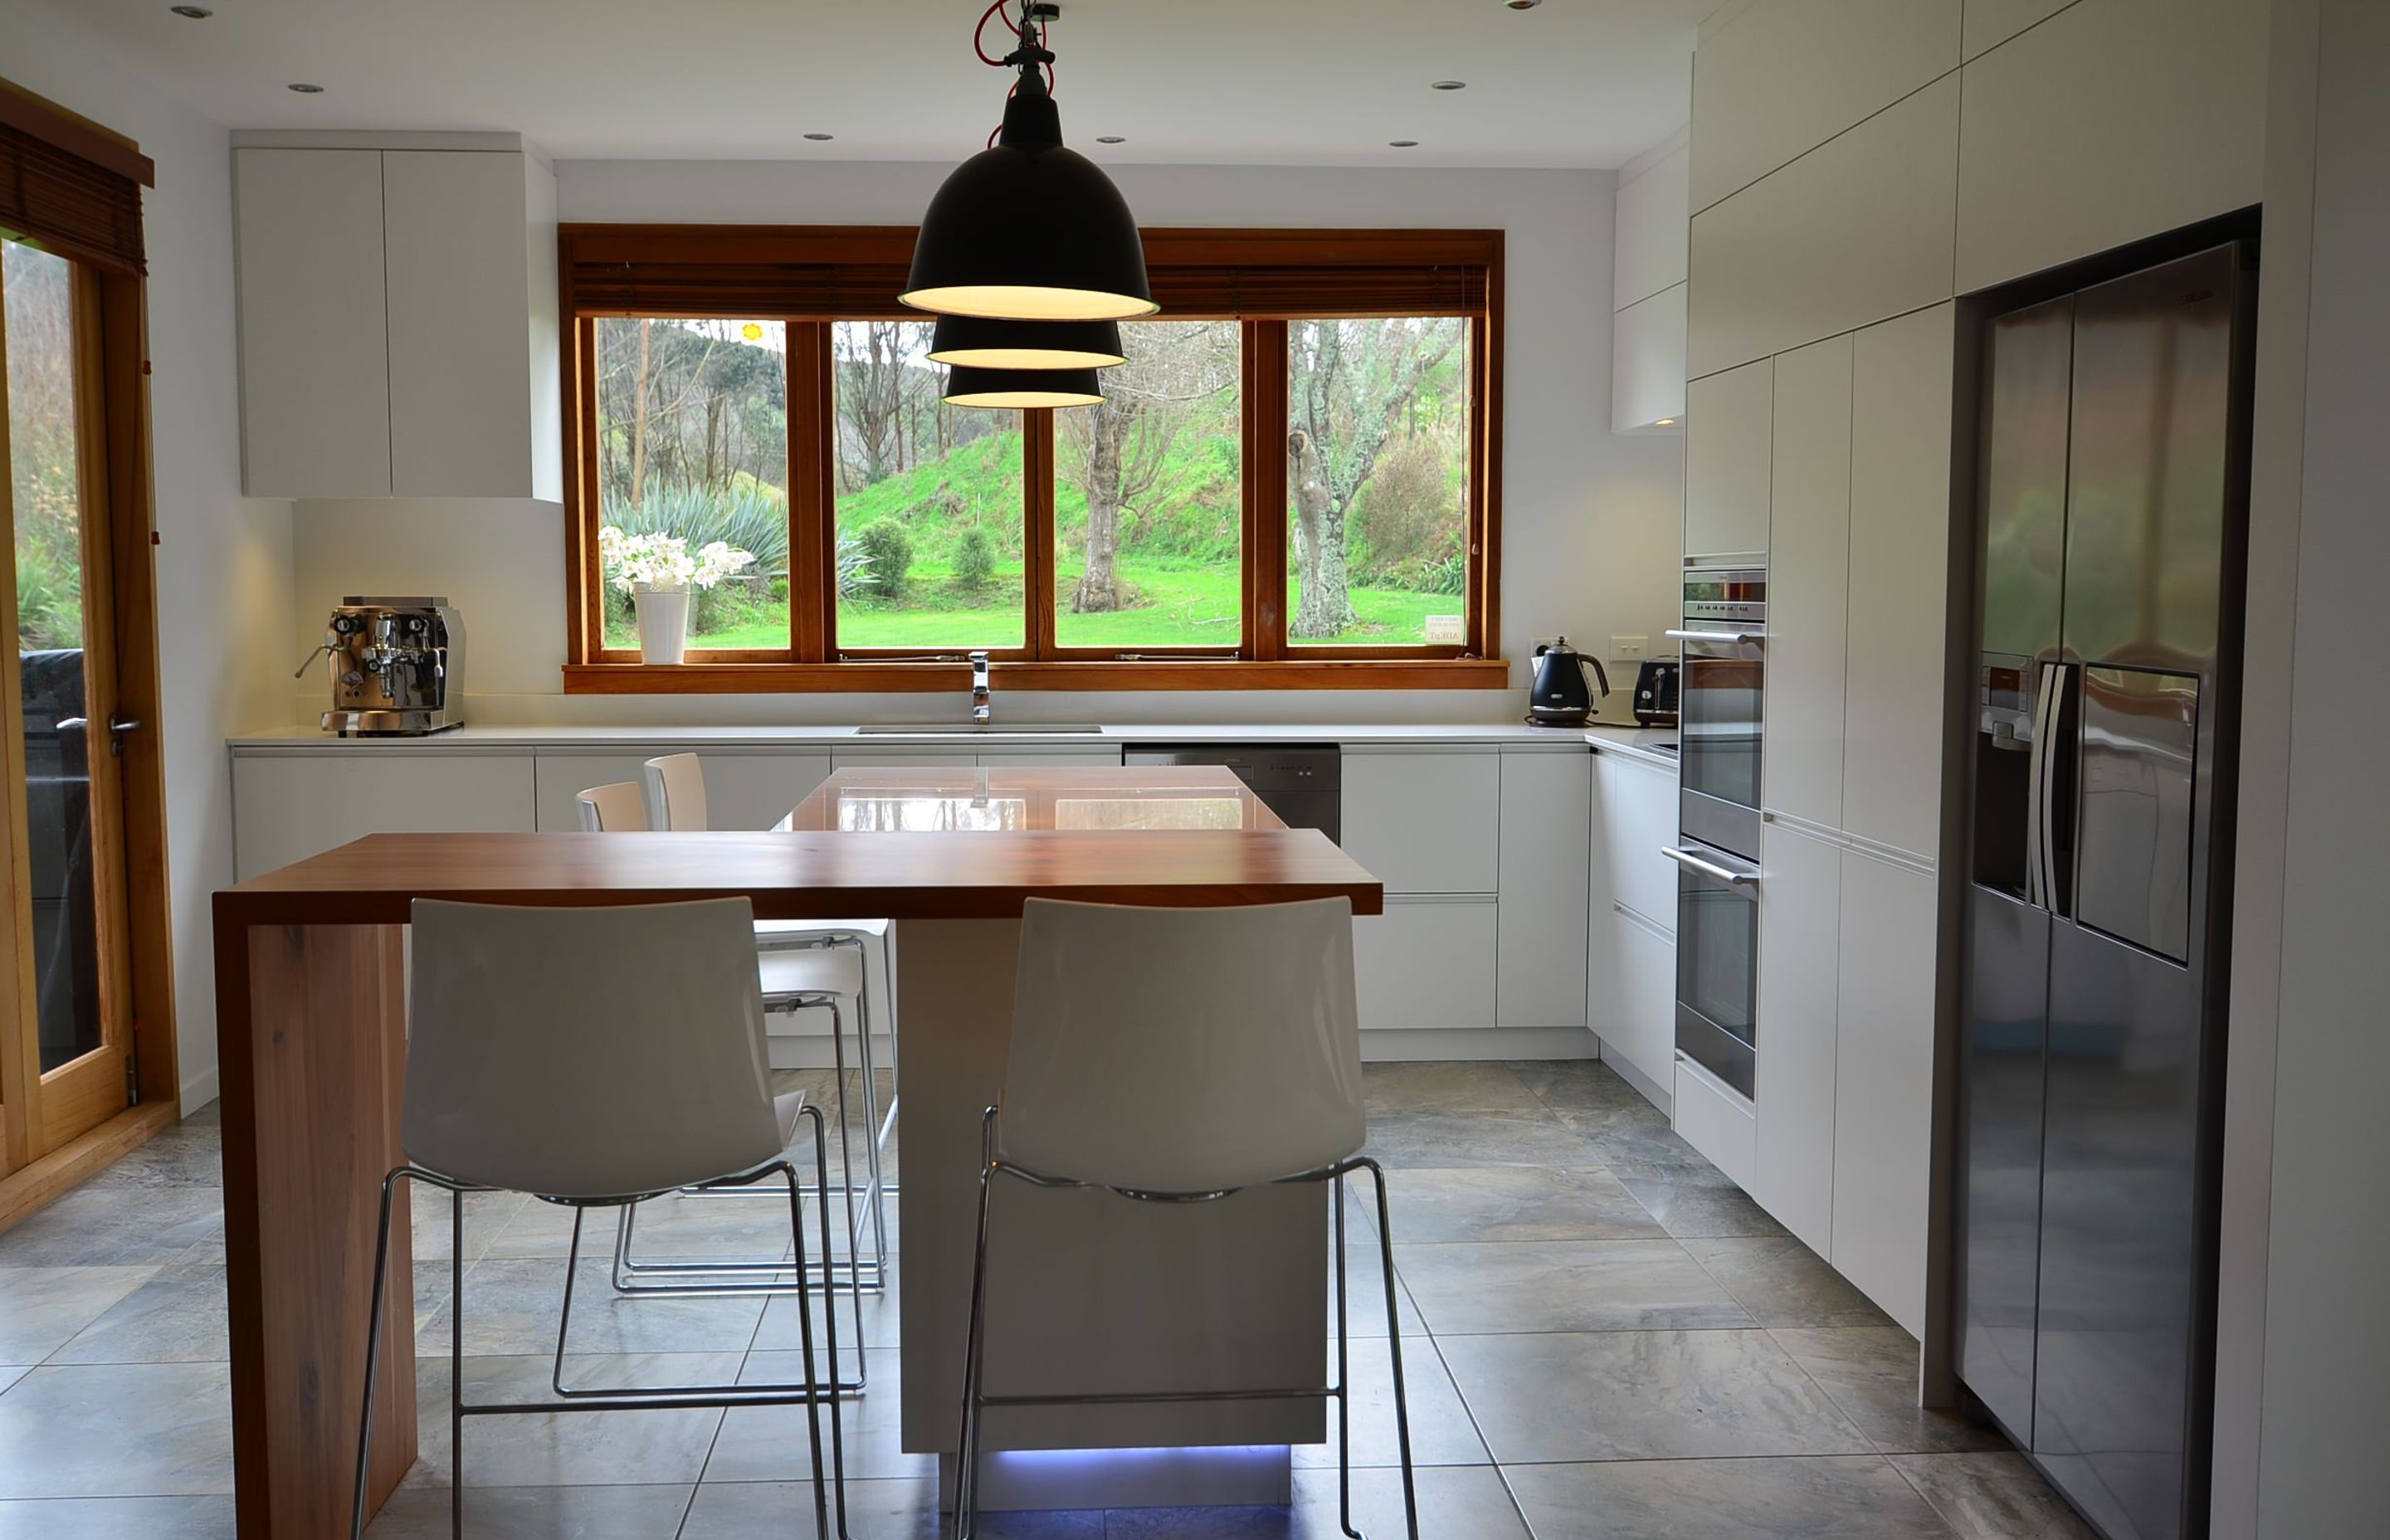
(1738, 638)
(1692, 863)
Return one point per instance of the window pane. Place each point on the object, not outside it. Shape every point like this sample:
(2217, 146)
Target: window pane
(693, 443)
(929, 501)
(1378, 481)
(1149, 496)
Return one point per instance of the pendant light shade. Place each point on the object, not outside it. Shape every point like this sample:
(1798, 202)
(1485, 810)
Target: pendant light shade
(1028, 230)
(1026, 344)
(971, 387)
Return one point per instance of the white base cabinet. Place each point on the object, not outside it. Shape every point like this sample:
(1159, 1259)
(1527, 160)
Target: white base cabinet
(288, 807)
(750, 789)
(1426, 963)
(1717, 1121)
(1884, 1092)
(1793, 1087)
(1540, 944)
(1631, 920)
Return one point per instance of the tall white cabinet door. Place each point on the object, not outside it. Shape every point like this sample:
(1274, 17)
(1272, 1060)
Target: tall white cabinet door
(460, 387)
(1540, 936)
(1727, 446)
(1900, 565)
(1883, 1095)
(1793, 1093)
(1809, 510)
(1423, 822)
(314, 366)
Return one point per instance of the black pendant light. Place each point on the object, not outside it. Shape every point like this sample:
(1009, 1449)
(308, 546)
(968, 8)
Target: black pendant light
(988, 344)
(1027, 230)
(1018, 388)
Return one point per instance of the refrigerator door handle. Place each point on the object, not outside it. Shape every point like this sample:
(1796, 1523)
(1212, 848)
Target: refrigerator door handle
(2052, 707)
(2035, 873)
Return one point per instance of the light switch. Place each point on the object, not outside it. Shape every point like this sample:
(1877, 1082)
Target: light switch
(1629, 649)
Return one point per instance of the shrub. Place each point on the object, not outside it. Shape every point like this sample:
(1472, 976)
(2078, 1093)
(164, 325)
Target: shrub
(974, 559)
(1405, 507)
(892, 556)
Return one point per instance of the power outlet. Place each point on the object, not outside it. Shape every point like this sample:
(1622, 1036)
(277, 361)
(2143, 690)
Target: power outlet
(1630, 650)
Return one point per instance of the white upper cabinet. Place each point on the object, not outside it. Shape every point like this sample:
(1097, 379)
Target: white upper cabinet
(1652, 210)
(314, 362)
(1423, 822)
(1856, 230)
(1787, 75)
(1547, 812)
(1901, 386)
(397, 321)
(1809, 587)
(1727, 450)
(1647, 363)
(1990, 23)
(2111, 120)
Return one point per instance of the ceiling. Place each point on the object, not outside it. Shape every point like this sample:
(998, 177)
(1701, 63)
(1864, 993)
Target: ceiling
(1570, 82)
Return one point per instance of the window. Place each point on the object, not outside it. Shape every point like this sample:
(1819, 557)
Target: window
(1290, 481)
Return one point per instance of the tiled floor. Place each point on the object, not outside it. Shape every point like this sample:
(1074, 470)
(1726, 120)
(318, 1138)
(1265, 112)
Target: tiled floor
(1603, 1337)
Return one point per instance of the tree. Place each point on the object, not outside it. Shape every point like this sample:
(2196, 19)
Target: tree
(1123, 441)
(1351, 384)
(878, 391)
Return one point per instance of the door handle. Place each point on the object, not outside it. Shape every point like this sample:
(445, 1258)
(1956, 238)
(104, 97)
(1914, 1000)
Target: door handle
(2060, 681)
(1692, 863)
(2035, 873)
(72, 724)
(1740, 638)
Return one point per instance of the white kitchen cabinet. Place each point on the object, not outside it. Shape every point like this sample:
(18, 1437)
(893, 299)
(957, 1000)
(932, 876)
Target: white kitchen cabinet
(1808, 588)
(1639, 811)
(1036, 758)
(1425, 822)
(1794, 1087)
(397, 318)
(1640, 1037)
(1884, 1096)
(1715, 1120)
(1727, 437)
(1547, 816)
(1647, 363)
(314, 364)
(1858, 229)
(938, 758)
(1990, 23)
(286, 807)
(1426, 963)
(744, 790)
(1651, 213)
(1899, 559)
(1787, 75)
(1631, 945)
(2111, 120)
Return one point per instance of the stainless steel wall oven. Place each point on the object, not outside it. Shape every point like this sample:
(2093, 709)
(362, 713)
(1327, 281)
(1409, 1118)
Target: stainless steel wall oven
(1722, 688)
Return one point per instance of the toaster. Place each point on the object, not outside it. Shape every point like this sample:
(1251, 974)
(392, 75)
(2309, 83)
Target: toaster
(1655, 693)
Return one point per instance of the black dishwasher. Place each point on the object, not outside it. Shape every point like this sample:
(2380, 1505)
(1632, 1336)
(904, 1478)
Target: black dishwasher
(1302, 783)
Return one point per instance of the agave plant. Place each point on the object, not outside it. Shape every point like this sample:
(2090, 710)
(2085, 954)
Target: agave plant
(747, 516)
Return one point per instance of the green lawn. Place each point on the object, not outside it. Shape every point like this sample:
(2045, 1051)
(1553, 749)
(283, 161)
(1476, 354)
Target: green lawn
(1190, 606)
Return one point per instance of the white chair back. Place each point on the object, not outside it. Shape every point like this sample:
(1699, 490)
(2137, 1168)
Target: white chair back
(614, 809)
(1184, 1050)
(676, 793)
(587, 1052)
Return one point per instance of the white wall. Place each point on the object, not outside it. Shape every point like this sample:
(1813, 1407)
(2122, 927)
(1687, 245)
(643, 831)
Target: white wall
(224, 561)
(1589, 525)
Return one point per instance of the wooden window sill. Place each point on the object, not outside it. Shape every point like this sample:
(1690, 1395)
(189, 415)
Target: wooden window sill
(1295, 674)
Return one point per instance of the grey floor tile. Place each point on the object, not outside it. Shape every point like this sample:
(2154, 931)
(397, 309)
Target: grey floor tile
(568, 1448)
(120, 1226)
(11, 1373)
(1632, 1138)
(1781, 1282)
(1442, 1433)
(882, 1319)
(1578, 1084)
(771, 1444)
(536, 1512)
(1514, 1204)
(904, 1509)
(1455, 1503)
(1832, 1498)
(710, 1228)
(208, 1518)
(511, 1305)
(209, 1116)
(1871, 1373)
(1459, 1085)
(180, 1156)
(1643, 1395)
(167, 1320)
(1693, 1205)
(1565, 1286)
(487, 1217)
(42, 1308)
(1455, 1140)
(1365, 1296)
(1991, 1496)
(116, 1430)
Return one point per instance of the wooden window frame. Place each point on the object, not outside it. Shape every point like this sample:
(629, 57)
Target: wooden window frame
(1260, 278)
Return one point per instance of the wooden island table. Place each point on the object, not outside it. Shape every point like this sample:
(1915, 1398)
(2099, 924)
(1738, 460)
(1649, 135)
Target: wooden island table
(1091, 1293)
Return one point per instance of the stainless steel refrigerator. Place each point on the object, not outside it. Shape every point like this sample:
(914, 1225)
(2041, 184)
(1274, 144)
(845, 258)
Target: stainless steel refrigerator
(2111, 515)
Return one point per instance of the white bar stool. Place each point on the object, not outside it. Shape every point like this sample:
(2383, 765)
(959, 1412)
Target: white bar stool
(673, 791)
(534, 1064)
(1181, 1056)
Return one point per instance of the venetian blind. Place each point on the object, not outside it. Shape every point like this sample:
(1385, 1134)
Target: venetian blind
(69, 187)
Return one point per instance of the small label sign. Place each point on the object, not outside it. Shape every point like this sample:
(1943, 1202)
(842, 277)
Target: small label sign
(1446, 630)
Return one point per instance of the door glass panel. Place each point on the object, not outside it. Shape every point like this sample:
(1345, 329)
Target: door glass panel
(46, 486)
(1718, 943)
(1719, 699)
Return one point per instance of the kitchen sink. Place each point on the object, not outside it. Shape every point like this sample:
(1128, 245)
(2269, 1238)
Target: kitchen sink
(992, 729)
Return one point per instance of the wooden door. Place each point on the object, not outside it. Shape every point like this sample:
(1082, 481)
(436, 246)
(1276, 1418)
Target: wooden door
(66, 993)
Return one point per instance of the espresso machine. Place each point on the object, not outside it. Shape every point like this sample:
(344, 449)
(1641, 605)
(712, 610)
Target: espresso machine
(397, 667)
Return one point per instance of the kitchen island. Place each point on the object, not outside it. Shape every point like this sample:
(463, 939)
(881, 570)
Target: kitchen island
(312, 1017)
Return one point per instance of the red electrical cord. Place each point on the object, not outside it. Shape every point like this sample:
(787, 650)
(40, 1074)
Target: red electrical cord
(979, 32)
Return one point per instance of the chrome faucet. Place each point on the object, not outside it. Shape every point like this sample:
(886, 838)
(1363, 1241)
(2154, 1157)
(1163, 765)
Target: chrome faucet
(979, 689)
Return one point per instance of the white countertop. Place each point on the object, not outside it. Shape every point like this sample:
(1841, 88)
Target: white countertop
(1645, 744)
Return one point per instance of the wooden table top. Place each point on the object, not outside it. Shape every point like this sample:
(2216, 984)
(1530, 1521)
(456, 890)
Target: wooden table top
(1068, 833)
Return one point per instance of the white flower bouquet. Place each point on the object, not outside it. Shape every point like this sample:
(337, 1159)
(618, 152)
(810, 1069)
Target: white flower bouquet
(656, 571)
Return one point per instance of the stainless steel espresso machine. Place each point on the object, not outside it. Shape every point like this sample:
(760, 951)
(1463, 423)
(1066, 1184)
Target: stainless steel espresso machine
(397, 667)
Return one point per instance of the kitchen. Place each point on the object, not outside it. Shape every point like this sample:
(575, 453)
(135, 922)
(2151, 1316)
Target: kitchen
(1717, 398)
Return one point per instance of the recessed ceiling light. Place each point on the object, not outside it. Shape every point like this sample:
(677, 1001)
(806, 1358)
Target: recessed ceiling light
(1666, 422)
(1451, 85)
(191, 13)
(1523, 5)
(821, 139)
(304, 89)
(1404, 143)
(1111, 139)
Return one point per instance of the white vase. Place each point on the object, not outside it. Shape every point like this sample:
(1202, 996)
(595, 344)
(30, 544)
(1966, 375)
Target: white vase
(663, 622)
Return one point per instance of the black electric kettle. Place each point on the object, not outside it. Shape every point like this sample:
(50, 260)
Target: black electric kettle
(1561, 696)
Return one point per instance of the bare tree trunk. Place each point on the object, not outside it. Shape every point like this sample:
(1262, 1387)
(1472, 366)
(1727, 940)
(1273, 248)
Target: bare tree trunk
(1099, 587)
(1325, 608)
(639, 421)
